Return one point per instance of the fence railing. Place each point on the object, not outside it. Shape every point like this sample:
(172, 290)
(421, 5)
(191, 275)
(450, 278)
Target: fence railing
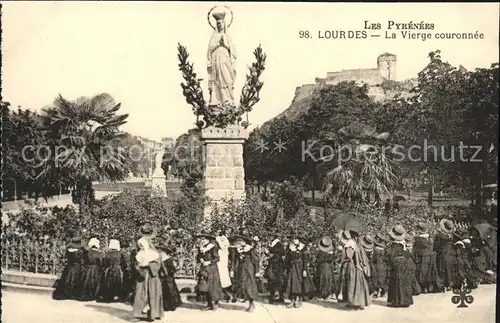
(48, 257)
(36, 257)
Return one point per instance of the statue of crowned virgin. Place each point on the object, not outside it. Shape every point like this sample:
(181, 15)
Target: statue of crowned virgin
(221, 57)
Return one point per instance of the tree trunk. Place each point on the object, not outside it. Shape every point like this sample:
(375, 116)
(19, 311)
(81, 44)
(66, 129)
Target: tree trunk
(313, 179)
(430, 191)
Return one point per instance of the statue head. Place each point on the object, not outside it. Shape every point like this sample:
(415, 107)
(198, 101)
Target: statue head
(220, 22)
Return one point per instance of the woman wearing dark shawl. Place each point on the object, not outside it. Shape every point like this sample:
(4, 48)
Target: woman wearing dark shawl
(92, 271)
(114, 266)
(248, 270)
(208, 277)
(401, 271)
(129, 270)
(355, 273)
(425, 259)
(68, 285)
(233, 273)
(462, 276)
(445, 255)
(298, 282)
(275, 271)
(483, 262)
(171, 296)
(378, 266)
(324, 273)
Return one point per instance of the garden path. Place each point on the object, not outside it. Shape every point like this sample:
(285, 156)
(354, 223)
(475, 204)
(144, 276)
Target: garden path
(21, 307)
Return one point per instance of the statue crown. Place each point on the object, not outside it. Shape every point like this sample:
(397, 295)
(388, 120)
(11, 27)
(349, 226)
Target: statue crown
(219, 15)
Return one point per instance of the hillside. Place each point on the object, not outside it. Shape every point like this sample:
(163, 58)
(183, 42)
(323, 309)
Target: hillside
(380, 80)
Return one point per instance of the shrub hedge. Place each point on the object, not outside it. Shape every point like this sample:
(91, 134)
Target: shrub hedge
(176, 218)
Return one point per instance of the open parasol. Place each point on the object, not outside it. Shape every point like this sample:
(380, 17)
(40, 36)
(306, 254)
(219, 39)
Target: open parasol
(485, 230)
(398, 198)
(347, 222)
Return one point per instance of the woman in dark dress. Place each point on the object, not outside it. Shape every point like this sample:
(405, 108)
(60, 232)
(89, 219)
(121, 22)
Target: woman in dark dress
(355, 273)
(171, 296)
(425, 260)
(148, 297)
(209, 280)
(92, 271)
(248, 270)
(128, 271)
(409, 241)
(462, 276)
(114, 267)
(298, 282)
(445, 254)
(310, 258)
(324, 259)
(483, 262)
(68, 285)
(401, 271)
(233, 274)
(336, 265)
(275, 270)
(378, 265)
(368, 244)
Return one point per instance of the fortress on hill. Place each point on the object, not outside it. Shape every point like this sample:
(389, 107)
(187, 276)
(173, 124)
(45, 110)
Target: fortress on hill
(381, 81)
(385, 70)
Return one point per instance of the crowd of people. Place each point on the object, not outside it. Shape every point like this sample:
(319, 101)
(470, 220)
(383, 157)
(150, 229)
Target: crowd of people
(141, 274)
(352, 267)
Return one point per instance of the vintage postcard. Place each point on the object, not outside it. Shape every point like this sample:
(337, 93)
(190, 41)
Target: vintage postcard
(283, 162)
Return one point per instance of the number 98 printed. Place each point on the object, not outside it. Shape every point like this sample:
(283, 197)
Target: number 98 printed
(304, 34)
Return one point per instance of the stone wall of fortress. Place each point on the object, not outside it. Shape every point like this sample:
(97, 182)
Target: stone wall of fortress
(373, 77)
(370, 76)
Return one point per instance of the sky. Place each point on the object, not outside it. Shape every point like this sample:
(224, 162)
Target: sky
(129, 50)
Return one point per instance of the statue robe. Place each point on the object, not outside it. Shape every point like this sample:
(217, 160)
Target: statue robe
(221, 56)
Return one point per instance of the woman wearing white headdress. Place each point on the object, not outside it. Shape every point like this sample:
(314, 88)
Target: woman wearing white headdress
(114, 267)
(92, 269)
(148, 299)
(223, 264)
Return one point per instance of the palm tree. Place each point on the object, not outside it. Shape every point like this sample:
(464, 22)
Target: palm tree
(367, 169)
(83, 133)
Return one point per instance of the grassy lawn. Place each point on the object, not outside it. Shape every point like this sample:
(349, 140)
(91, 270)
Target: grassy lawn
(117, 186)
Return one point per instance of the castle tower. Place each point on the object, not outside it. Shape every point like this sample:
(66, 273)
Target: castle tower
(386, 64)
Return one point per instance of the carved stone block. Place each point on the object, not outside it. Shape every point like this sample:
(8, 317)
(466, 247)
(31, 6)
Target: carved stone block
(224, 175)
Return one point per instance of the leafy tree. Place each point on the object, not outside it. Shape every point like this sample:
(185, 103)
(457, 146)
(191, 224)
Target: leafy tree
(364, 168)
(450, 107)
(138, 161)
(83, 148)
(184, 158)
(23, 144)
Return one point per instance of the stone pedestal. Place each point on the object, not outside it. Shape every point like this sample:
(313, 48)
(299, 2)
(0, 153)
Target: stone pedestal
(158, 181)
(158, 184)
(224, 175)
